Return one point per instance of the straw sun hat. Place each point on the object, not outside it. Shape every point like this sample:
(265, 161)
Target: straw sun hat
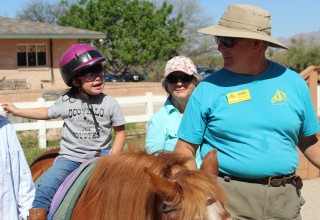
(244, 21)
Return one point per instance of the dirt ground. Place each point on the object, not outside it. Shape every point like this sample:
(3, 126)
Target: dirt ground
(311, 194)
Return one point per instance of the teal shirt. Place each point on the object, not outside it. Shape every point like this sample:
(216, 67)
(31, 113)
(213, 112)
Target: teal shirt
(253, 121)
(162, 130)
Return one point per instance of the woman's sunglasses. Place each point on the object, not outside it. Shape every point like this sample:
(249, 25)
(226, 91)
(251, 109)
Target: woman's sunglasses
(226, 41)
(90, 77)
(183, 78)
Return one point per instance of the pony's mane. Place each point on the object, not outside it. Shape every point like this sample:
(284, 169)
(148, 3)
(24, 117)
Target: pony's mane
(119, 186)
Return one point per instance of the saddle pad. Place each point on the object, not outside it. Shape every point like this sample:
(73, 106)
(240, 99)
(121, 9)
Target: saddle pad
(66, 184)
(66, 207)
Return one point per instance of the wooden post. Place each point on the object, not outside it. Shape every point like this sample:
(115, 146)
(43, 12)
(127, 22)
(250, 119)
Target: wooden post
(310, 75)
(149, 105)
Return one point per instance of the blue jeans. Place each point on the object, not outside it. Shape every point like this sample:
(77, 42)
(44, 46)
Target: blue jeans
(51, 180)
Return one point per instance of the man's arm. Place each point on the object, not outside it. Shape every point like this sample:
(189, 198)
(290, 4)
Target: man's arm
(309, 146)
(187, 149)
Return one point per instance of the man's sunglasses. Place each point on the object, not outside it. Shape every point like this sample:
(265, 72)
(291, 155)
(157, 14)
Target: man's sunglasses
(226, 41)
(90, 77)
(183, 78)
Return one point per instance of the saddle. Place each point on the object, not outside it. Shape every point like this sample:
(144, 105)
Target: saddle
(69, 191)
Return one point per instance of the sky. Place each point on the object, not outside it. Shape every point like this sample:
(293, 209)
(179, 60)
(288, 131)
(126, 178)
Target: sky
(288, 17)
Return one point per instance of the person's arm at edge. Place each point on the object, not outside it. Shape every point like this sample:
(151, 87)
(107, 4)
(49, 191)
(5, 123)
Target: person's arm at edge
(187, 149)
(310, 147)
(26, 190)
(119, 139)
(26, 187)
(31, 113)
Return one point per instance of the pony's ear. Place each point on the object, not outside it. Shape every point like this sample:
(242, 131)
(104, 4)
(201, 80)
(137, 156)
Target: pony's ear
(169, 192)
(210, 163)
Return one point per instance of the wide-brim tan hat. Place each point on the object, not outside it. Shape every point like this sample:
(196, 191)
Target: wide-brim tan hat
(2, 78)
(245, 21)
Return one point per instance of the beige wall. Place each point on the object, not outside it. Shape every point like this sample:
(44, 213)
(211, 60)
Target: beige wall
(36, 77)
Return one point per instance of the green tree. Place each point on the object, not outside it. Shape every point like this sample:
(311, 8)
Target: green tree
(298, 57)
(312, 57)
(295, 57)
(137, 33)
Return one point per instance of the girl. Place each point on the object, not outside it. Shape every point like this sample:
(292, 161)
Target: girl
(89, 116)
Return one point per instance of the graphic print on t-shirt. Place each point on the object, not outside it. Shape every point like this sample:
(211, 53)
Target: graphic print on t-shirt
(85, 121)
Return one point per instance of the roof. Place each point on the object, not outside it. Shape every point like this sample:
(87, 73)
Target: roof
(17, 29)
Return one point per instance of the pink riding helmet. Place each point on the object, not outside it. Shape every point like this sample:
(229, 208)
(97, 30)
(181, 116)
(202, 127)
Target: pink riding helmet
(78, 58)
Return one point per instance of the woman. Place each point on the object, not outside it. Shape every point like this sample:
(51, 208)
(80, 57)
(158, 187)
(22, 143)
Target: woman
(180, 79)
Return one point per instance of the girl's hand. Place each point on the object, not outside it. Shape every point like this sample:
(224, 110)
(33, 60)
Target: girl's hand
(8, 107)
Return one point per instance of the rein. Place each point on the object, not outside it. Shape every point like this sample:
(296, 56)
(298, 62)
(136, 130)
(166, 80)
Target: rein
(167, 209)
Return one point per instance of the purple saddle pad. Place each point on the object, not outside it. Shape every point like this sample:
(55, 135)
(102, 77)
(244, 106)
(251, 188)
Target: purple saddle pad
(65, 186)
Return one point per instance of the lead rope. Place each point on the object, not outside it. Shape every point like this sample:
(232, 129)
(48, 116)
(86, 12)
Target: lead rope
(96, 124)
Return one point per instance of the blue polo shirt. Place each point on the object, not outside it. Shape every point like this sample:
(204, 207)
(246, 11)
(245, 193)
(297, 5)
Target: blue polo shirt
(253, 121)
(162, 130)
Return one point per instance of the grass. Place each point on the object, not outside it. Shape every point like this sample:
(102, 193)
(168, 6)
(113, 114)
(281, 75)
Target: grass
(29, 140)
(29, 143)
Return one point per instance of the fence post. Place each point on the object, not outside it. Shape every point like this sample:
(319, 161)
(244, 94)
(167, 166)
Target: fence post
(149, 105)
(42, 139)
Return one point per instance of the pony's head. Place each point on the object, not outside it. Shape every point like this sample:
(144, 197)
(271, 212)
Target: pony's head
(137, 185)
(190, 194)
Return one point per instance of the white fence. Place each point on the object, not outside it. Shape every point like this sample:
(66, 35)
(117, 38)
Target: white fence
(149, 100)
(42, 125)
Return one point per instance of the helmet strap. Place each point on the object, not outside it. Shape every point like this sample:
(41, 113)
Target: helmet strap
(77, 83)
(83, 94)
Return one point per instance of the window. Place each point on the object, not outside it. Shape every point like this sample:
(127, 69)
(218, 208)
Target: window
(32, 55)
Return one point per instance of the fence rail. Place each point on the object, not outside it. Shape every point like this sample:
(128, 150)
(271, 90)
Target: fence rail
(149, 100)
(42, 125)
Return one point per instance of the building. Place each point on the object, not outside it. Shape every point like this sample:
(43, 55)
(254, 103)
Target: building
(30, 52)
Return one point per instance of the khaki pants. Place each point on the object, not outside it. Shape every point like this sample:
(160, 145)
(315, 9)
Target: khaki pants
(257, 201)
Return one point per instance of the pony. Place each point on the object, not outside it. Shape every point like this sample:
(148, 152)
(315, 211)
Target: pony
(43, 162)
(136, 185)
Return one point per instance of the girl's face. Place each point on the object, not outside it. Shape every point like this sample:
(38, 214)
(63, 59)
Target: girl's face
(92, 83)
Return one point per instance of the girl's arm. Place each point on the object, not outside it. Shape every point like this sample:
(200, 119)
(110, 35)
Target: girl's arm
(120, 139)
(32, 113)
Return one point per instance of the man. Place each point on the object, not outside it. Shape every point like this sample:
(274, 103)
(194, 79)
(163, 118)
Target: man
(16, 185)
(254, 112)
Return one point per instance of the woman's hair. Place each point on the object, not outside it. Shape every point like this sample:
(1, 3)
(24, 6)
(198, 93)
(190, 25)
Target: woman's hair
(164, 82)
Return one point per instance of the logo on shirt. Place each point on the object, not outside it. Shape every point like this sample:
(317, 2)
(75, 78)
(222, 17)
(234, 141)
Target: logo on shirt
(280, 98)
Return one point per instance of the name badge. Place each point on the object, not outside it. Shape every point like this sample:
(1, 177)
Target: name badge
(238, 96)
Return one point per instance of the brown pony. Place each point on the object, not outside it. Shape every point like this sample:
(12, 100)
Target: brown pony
(43, 162)
(141, 186)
